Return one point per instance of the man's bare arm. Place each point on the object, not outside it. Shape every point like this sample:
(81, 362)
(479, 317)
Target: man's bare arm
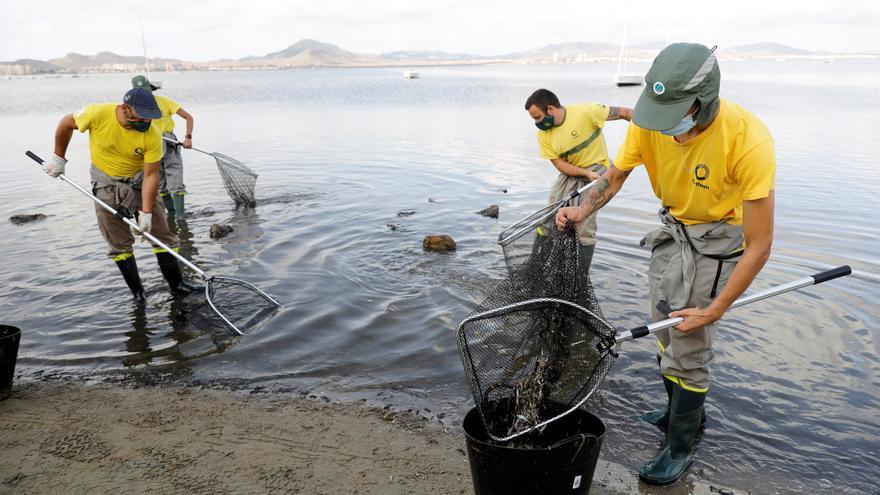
(573, 170)
(758, 233)
(150, 186)
(617, 113)
(598, 196)
(63, 134)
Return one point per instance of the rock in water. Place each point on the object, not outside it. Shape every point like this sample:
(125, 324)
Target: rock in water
(491, 212)
(406, 213)
(22, 219)
(438, 243)
(220, 230)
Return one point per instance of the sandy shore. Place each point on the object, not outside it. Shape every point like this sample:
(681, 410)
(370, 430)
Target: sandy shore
(70, 438)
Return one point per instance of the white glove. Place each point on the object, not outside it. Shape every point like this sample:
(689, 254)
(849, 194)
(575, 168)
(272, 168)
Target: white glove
(54, 166)
(144, 221)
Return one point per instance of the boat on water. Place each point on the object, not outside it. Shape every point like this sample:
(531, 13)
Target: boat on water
(623, 77)
(410, 74)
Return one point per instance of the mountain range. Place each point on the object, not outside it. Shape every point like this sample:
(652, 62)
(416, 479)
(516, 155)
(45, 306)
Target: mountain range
(312, 53)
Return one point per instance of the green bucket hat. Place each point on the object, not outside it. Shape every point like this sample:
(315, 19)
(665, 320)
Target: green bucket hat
(681, 74)
(143, 82)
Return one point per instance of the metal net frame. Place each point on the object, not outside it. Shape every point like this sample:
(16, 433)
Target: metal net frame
(539, 343)
(517, 240)
(240, 181)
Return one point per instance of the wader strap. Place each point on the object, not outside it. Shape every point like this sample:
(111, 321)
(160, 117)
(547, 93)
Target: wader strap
(583, 145)
(719, 257)
(717, 277)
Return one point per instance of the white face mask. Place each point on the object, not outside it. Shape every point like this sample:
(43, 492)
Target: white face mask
(684, 125)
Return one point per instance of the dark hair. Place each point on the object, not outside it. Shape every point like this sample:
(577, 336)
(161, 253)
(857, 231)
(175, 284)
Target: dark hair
(543, 98)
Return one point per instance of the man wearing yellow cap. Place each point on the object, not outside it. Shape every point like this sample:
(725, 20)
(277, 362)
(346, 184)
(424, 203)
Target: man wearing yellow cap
(171, 187)
(712, 164)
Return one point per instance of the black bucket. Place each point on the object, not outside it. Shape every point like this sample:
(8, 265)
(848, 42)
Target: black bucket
(9, 338)
(566, 465)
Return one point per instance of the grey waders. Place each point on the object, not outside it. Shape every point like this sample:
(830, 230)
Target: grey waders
(670, 464)
(129, 270)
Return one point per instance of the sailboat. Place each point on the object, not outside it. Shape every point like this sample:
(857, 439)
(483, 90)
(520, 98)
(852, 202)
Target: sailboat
(623, 78)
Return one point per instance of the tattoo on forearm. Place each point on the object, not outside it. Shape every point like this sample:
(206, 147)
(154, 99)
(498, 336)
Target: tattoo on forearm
(600, 195)
(613, 113)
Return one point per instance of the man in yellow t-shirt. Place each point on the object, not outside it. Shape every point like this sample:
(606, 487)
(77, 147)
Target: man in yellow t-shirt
(171, 187)
(571, 138)
(125, 152)
(712, 164)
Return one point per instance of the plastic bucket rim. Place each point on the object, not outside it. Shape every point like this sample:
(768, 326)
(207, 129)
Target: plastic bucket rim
(556, 445)
(15, 331)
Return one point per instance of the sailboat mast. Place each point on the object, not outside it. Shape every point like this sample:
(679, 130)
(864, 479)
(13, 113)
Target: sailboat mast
(144, 45)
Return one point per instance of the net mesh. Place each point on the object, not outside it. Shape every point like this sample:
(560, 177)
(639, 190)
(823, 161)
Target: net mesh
(518, 240)
(239, 303)
(539, 344)
(239, 180)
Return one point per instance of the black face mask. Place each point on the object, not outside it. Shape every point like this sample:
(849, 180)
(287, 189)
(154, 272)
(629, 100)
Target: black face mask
(138, 125)
(546, 123)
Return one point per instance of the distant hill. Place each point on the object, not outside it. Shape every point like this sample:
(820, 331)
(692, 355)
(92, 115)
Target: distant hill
(112, 62)
(313, 53)
(427, 55)
(27, 66)
(763, 50)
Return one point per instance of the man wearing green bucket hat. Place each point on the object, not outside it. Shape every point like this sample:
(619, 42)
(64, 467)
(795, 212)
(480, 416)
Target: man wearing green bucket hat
(171, 187)
(712, 164)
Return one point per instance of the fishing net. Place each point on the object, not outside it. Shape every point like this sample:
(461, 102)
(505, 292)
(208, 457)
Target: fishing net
(239, 180)
(518, 240)
(239, 304)
(539, 345)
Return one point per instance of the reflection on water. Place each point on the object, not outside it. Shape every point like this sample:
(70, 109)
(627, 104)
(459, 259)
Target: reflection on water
(368, 314)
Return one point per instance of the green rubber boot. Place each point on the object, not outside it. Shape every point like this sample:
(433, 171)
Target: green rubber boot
(178, 205)
(169, 205)
(129, 269)
(660, 417)
(670, 464)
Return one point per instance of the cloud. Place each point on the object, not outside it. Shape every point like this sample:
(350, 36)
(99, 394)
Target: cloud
(203, 30)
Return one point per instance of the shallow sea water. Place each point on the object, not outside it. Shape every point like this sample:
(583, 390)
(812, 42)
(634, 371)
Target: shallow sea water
(369, 315)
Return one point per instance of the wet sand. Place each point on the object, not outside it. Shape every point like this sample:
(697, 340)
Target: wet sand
(74, 438)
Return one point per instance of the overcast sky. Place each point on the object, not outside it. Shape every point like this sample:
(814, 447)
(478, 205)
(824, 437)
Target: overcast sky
(199, 30)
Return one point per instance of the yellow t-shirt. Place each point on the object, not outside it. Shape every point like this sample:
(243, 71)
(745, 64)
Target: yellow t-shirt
(581, 122)
(168, 107)
(707, 178)
(115, 150)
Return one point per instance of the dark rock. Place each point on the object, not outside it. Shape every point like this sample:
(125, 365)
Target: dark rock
(406, 213)
(491, 212)
(22, 219)
(438, 243)
(392, 226)
(504, 191)
(220, 230)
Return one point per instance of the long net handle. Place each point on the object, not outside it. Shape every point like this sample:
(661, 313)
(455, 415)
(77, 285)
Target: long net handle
(818, 278)
(125, 219)
(192, 147)
(508, 235)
